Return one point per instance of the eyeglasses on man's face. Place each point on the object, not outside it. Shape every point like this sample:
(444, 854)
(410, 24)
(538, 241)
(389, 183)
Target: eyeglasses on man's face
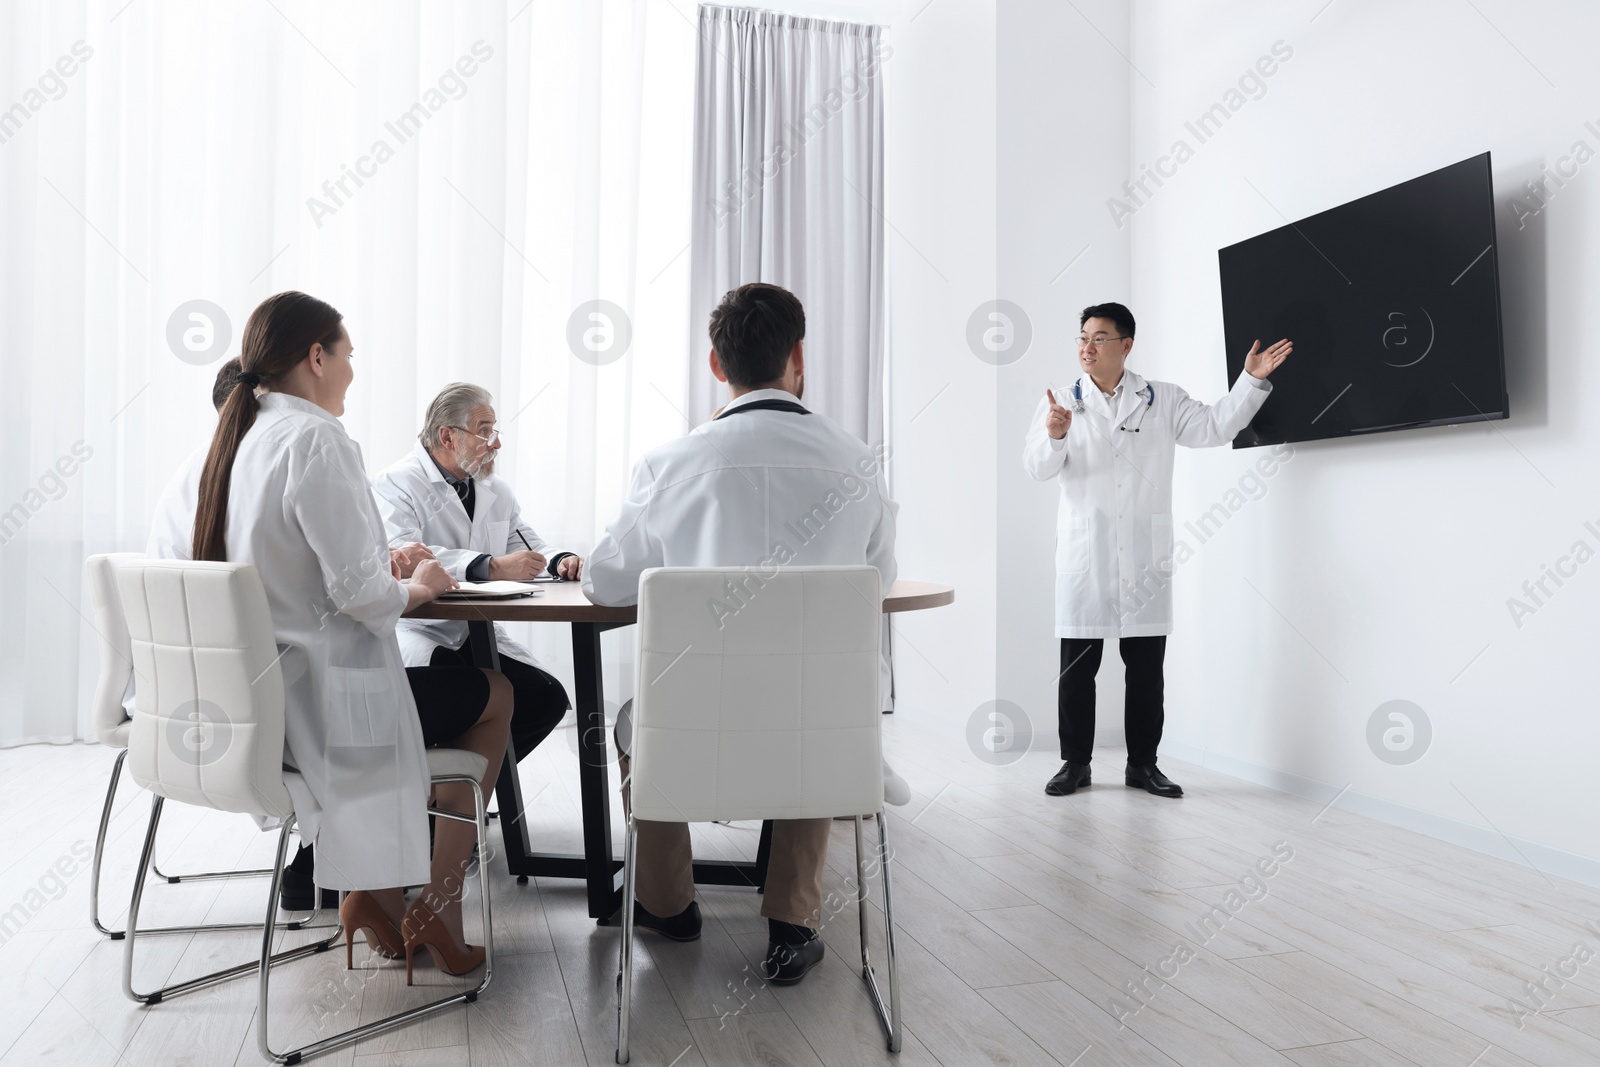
(1098, 342)
(491, 439)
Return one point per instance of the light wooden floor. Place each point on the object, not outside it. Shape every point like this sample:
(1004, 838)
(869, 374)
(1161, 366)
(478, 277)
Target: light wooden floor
(1024, 922)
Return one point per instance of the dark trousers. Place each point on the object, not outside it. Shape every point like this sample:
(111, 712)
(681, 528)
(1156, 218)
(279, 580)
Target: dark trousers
(1144, 711)
(539, 701)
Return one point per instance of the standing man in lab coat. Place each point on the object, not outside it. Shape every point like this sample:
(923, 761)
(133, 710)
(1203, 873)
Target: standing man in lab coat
(1108, 442)
(445, 496)
(727, 494)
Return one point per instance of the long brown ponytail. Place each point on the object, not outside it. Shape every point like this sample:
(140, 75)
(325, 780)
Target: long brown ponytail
(278, 336)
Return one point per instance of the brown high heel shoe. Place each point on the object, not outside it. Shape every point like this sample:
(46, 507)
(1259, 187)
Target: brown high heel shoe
(361, 911)
(421, 928)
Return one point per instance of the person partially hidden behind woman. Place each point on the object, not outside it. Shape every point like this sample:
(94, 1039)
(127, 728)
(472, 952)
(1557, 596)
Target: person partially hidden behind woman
(284, 488)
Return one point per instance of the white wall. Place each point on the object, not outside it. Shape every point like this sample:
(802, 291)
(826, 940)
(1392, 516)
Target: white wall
(1390, 559)
(981, 204)
(940, 211)
(985, 201)
(940, 198)
(1384, 565)
(1062, 142)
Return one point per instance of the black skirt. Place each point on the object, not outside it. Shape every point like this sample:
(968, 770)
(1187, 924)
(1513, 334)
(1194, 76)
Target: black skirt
(450, 700)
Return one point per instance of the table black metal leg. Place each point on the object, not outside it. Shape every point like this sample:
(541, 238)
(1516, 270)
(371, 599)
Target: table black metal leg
(508, 787)
(598, 867)
(513, 827)
(594, 788)
(763, 854)
(481, 639)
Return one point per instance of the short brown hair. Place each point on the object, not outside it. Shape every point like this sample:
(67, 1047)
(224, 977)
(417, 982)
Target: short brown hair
(753, 331)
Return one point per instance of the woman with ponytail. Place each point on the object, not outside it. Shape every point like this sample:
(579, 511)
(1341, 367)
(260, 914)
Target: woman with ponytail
(285, 488)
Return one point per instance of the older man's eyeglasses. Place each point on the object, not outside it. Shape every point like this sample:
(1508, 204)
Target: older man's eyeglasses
(491, 438)
(1098, 342)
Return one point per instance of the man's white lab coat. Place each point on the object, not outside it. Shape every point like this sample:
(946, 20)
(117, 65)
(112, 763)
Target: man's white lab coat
(1114, 522)
(419, 504)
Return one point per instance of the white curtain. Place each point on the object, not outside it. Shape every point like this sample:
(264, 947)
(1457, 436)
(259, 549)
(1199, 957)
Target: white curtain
(461, 181)
(788, 189)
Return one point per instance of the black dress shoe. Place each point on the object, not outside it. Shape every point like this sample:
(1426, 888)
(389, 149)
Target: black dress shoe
(296, 891)
(684, 926)
(786, 964)
(1151, 780)
(1067, 780)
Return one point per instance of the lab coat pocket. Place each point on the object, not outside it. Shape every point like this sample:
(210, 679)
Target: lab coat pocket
(496, 534)
(1072, 545)
(362, 711)
(1148, 443)
(1161, 543)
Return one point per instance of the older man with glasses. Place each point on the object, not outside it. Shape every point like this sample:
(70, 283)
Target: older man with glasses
(445, 496)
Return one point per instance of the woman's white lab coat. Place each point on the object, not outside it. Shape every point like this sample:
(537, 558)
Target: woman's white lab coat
(418, 504)
(172, 525)
(172, 522)
(1114, 523)
(300, 509)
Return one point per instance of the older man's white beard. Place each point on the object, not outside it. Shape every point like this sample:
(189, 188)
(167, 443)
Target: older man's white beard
(478, 468)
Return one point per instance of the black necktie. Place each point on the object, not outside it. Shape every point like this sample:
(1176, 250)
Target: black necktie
(465, 491)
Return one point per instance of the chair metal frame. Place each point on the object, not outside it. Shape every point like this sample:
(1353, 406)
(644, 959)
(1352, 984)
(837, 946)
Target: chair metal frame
(123, 653)
(851, 792)
(888, 1015)
(99, 858)
(201, 876)
(263, 965)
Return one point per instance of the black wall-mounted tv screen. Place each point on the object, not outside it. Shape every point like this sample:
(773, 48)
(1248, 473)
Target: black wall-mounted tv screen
(1392, 302)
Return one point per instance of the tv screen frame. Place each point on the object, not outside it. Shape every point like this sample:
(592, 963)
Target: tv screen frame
(1322, 360)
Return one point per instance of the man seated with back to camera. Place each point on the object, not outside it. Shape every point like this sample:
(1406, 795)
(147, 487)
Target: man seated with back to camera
(691, 504)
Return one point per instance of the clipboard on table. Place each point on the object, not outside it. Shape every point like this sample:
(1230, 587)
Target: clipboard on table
(491, 591)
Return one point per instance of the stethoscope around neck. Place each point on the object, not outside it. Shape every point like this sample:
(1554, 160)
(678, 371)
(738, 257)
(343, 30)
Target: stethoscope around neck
(1148, 392)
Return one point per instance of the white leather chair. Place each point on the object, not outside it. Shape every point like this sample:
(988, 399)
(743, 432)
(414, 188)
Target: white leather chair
(111, 724)
(202, 638)
(768, 713)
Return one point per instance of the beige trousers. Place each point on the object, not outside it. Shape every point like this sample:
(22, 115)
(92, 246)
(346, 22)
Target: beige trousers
(664, 871)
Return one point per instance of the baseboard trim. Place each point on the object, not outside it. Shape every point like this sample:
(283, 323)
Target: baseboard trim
(1524, 853)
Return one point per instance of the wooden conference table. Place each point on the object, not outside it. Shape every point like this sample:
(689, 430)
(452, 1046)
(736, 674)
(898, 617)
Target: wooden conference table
(565, 602)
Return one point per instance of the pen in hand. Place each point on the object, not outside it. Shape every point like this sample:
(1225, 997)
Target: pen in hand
(529, 547)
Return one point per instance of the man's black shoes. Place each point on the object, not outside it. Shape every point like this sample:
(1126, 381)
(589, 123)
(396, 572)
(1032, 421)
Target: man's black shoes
(791, 952)
(1074, 776)
(684, 926)
(1151, 780)
(1067, 780)
(298, 888)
